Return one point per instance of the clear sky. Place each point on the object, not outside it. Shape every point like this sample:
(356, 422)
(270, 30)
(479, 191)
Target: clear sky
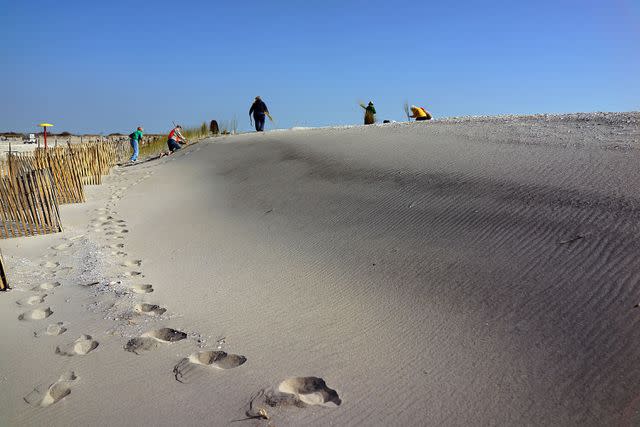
(107, 66)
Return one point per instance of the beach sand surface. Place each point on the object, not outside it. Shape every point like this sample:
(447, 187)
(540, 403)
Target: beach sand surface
(472, 271)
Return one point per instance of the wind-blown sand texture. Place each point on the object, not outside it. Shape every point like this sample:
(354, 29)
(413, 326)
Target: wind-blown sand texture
(467, 271)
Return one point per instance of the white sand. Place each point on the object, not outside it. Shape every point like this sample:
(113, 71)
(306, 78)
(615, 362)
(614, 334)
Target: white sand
(467, 271)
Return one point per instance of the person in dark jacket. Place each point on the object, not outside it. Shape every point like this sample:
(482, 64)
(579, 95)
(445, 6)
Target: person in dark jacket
(259, 110)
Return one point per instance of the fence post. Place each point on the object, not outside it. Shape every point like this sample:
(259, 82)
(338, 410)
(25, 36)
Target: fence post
(4, 283)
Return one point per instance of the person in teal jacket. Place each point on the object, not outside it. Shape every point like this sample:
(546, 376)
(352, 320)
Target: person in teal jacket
(136, 139)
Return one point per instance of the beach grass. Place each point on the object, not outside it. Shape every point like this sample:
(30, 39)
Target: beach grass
(157, 144)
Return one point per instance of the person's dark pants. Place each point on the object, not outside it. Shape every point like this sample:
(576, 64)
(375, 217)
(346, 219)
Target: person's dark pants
(259, 120)
(173, 145)
(420, 119)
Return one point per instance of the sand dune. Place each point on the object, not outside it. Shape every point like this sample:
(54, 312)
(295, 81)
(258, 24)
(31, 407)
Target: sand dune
(463, 271)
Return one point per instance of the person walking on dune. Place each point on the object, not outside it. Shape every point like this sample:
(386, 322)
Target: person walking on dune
(420, 114)
(135, 139)
(369, 113)
(259, 110)
(175, 139)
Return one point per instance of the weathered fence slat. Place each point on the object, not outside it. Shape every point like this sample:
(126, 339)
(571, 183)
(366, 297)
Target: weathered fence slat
(4, 282)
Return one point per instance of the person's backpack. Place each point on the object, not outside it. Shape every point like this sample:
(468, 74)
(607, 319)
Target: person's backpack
(131, 135)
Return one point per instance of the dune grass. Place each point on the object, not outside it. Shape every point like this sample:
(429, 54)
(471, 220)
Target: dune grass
(154, 145)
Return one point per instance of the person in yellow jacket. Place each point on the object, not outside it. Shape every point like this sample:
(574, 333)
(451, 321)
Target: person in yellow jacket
(419, 113)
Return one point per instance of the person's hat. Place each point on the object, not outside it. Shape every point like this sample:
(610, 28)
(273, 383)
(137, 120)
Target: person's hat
(370, 103)
(139, 127)
(257, 98)
(178, 126)
(413, 107)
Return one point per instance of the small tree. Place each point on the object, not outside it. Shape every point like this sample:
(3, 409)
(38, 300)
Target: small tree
(213, 127)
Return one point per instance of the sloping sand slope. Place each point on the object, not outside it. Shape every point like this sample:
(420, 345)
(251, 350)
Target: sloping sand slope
(471, 271)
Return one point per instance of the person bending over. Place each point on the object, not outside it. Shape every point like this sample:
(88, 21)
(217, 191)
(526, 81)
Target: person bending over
(420, 114)
(175, 139)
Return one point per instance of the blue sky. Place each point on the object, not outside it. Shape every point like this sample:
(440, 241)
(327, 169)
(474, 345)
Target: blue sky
(109, 66)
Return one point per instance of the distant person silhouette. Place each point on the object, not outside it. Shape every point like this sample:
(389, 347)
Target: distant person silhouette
(369, 113)
(259, 110)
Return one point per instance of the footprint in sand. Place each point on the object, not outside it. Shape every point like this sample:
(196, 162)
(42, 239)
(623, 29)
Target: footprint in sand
(52, 394)
(310, 390)
(165, 335)
(47, 286)
(117, 246)
(63, 270)
(150, 309)
(32, 300)
(131, 273)
(142, 289)
(299, 392)
(36, 314)
(49, 264)
(132, 263)
(150, 340)
(80, 347)
(140, 344)
(113, 232)
(119, 253)
(53, 329)
(62, 247)
(218, 359)
(194, 365)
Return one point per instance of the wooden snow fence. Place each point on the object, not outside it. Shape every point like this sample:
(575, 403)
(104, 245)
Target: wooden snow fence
(91, 161)
(32, 185)
(28, 203)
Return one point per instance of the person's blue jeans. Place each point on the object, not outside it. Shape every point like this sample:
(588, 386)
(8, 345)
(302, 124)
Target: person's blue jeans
(259, 119)
(136, 151)
(173, 145)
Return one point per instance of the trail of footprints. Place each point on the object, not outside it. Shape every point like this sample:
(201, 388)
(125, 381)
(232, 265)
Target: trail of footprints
(296, 391)
(113, 230)
(36, 310)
